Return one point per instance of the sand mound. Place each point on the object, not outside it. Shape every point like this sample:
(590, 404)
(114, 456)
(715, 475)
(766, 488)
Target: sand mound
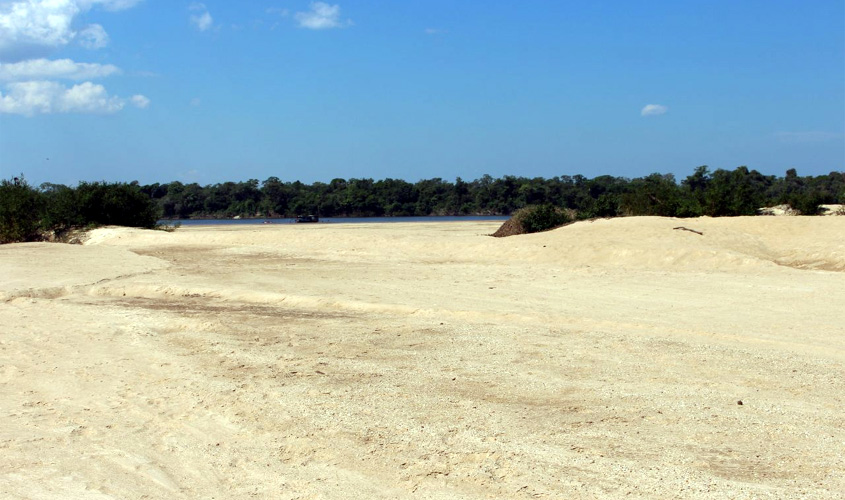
(781, 210)
(833, 210)
(111, 234)
(54, 269)
(653, 243)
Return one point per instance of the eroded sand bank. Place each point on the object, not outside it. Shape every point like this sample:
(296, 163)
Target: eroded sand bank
(601, 360)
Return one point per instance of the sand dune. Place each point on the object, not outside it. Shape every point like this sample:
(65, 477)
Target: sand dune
(605, 359)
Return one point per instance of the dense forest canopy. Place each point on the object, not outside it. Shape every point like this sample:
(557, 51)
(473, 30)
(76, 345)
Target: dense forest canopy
(718, 193)
(26, 212)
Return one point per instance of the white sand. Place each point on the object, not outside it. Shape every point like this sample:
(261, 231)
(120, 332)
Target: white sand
(600, 360)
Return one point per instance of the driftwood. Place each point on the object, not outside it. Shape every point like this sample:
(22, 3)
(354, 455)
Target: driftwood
(682, 228)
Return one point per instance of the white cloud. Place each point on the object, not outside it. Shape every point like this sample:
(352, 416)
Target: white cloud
(807, 137)
(275, 12)
(112, 5)
(654, 110)
(30, 28)
(140, 101)
(26, 25)
(37, 69)
(93, 36)
(40, 97)
(321, 16)
(202, 20)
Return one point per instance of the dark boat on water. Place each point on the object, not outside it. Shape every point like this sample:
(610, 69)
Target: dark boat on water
(307, 218)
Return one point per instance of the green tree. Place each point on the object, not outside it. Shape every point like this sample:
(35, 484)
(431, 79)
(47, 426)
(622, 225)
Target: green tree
(62, 207)
(657, 194)
(20, 211)
(741, 192)
(120, 204)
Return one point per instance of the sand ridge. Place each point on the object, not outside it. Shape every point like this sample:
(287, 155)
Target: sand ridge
(605, 359)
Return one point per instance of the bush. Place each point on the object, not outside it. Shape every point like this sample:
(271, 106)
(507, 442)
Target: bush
(541, 218)
(26, 213)
(807, 203)
(20, 211)
(100, 203)
(533, 219)
(62, 210)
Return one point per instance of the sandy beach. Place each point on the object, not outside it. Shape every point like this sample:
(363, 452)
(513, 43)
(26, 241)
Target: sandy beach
(616, 358)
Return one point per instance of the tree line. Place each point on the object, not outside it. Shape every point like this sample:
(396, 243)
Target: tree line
(27, 212)
(718, 193)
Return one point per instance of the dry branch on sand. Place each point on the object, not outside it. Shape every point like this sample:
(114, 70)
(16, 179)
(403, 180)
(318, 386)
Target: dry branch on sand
(682, 228)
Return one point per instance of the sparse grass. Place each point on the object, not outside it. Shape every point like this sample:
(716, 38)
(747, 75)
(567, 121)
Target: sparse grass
(168, 228)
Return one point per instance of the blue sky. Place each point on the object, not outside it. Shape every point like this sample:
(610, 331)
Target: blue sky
(156, 91)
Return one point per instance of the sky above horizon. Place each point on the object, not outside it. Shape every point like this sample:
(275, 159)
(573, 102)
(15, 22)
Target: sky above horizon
(160, 91)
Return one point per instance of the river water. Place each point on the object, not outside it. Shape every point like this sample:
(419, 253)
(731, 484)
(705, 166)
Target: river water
(335, 220)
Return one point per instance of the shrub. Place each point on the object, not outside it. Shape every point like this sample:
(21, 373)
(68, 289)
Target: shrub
(807, 203)
(542, 218)
(116, 204)
(20, 211)
(168, 228)
(62, 210)
(26, 212)
(533, 219)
